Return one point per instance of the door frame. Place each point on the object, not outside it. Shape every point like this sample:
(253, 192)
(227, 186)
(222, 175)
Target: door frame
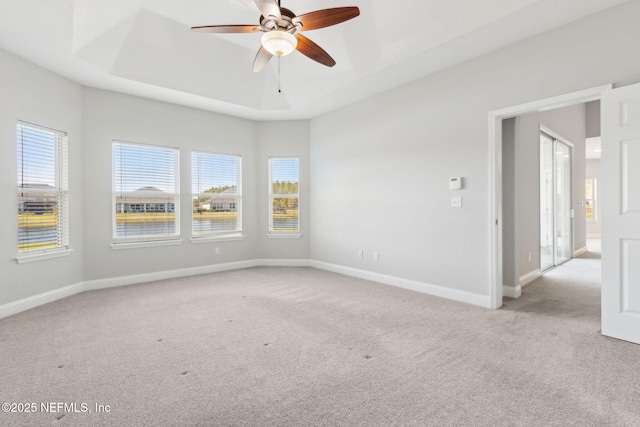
(495, 172)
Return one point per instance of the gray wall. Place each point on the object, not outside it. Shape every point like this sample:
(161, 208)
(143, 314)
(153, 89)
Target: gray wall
(34, 95)
(509, 230)
(570, 124)
(94, 118)
(283, 139)
(384, 163)
(593, 118)
(111, 116)
(378, 170)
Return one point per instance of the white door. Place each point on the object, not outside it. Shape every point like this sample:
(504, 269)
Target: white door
(621, 213)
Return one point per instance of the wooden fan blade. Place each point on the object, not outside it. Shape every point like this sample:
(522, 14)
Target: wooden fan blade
(227, 28)
(262, 58)
(326, 17)
(313, 51)
(269, 8)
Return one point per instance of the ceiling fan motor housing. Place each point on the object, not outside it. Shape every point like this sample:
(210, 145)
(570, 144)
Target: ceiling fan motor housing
(285, 24)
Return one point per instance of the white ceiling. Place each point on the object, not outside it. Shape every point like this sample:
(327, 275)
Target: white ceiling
(146, 47)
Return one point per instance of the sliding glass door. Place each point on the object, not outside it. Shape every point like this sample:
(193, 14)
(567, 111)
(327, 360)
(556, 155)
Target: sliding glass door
(546, 203)
(563, 203)
(555, 202)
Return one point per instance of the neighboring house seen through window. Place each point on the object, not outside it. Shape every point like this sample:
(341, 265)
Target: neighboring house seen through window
(43, 219)
(146, 192)
(216, 194)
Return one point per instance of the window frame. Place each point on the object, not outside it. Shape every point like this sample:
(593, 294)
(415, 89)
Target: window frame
(594, 199)
(60, 191)
(280, 233)
(145, 240)
(221, 234)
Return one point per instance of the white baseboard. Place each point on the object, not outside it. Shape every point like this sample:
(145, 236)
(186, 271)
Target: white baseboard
(529, 277)
(90, 285)
(515, 291)
(34, 301)
(24, 304)
(580, 251)
(512, 291)
(414, 285)
(282, 263)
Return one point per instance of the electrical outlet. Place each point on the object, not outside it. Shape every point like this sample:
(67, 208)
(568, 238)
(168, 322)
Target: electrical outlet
(529, 256)
(216, 251)
(456, 202)
(360, 254)
(376, 256)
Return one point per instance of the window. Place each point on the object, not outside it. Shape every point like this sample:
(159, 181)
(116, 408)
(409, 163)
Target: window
(590, 188)
(284, 215)
(145, 192)
(43, 220)
(216, 194)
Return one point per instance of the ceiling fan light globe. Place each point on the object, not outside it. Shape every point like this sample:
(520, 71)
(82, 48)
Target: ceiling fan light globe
(279, 43)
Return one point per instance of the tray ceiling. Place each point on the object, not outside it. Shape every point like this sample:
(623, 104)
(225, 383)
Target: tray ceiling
(146, 47)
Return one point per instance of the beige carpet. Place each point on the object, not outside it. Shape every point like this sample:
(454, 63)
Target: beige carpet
(304, 347)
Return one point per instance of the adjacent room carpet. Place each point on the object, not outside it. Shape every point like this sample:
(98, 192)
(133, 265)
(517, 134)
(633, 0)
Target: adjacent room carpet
(305, 347)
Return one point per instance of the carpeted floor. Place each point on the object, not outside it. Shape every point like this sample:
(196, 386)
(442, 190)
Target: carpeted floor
(304, 347)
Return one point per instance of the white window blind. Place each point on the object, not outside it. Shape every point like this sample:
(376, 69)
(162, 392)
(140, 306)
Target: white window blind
(284, 214)
(216, 193)
(43, 220)
(145, 192)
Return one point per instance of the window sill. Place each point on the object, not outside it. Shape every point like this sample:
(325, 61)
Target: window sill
(219, 238)
(21, 259)
(284, 235)
(149, 244)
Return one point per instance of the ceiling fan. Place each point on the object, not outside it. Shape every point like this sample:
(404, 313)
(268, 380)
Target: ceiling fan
(281, 26)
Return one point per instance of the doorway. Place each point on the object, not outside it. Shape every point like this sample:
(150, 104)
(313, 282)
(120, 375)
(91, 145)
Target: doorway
(495, 171)
(620, 120)
(556, 213)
